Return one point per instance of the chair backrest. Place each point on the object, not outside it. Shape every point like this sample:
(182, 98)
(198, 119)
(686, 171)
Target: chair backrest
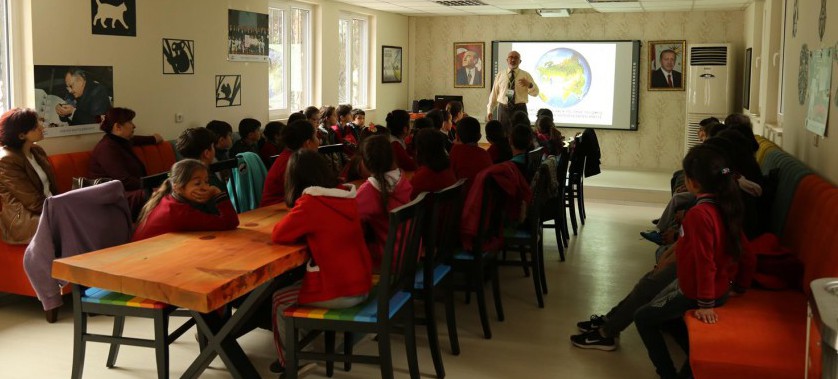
(271, 160)
(534, 161)
(334, 153)
(564, 163)
(398, 265)
(491, 215)
(442, 226)
(227, 164)
(151, 182)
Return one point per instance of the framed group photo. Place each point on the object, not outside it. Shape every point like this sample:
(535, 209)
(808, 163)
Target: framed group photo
(391, 64)
(666, 65)
(469, 65)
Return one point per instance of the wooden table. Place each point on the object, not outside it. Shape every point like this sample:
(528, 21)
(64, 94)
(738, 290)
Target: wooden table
(200, 271)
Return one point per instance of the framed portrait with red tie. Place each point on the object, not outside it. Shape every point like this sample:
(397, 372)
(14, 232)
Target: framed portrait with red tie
(666, 65)
(468, 65)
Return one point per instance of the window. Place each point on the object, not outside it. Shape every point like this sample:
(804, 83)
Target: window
(289, 75)
(4, 58)
(353, 60)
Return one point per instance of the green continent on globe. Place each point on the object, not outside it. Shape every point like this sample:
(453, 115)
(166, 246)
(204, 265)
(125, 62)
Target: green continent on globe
(570, 73)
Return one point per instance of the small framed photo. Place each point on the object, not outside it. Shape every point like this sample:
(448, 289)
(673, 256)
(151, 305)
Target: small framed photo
(228, 90)
(468, 65)
(391, 64)
(666, 65)
(178, 56)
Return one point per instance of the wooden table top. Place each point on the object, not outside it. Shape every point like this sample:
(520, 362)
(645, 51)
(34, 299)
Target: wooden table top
(200, 271)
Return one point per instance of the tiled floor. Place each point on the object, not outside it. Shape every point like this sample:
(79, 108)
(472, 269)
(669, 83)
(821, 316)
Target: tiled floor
(603, 263)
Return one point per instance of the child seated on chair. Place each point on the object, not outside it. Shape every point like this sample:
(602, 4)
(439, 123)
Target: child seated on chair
(326, 218)
(434, 172)
(199, 143)
(186, 202)
(499, 151)
(297, 135)
(521, 141)
(467, 158)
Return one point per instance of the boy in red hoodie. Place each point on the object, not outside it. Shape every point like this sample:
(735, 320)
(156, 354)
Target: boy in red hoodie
(467, 159)
(339, 273)
(386, 189)
(297, 135)
(434, 171)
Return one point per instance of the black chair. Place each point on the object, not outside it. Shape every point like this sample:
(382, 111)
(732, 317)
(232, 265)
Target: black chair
(439, 242)
(151, 182)
(224, 168)
(389, 305)
(554, 209)
(481, 261)
(574, 190)
(335, 155)
(534, 158)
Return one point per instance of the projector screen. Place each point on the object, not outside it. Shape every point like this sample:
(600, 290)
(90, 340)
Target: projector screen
(587, 84)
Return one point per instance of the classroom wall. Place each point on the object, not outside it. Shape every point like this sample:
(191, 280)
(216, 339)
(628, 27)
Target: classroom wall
(659, 142)
(821, 154)
(61, 35)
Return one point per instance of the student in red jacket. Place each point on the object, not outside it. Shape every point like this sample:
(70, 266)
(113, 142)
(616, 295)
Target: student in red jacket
(273, 144)
(186, 202)
(434, 171)
(467, 159)
(326, 218)
(384, 190)
(711, 241)
(297, 135)
(398, 122)
(499, 150)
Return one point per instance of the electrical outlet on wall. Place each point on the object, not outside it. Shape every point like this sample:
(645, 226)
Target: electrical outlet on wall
(178, 117)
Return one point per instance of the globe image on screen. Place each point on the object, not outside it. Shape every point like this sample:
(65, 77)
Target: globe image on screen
(564, 77)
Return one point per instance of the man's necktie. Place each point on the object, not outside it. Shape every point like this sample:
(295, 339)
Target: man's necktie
(510, 99)
(669, 80)
(469, 78)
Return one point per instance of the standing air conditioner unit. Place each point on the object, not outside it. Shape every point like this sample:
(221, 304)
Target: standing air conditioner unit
(709, 86)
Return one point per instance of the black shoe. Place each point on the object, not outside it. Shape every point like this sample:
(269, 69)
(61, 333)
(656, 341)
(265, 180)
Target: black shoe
(655, 221)
(593, 340)
(654, 236)
(276, 368)
(594, 323)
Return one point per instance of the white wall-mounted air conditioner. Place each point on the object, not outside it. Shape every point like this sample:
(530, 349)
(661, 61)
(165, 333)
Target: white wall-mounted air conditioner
(710, 80)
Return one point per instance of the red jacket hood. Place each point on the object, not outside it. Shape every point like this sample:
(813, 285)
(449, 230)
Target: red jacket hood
(333, 199)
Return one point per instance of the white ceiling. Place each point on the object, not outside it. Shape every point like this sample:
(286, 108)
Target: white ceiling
(508, 7)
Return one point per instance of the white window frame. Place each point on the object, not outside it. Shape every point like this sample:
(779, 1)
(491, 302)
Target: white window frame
(287, 7)
(364, 80)
(5, 58)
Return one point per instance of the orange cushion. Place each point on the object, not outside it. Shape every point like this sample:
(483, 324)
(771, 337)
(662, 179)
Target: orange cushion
(761, 334)
(67, 166)
(156, 158)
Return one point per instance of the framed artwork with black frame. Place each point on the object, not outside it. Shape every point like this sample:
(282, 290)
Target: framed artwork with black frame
(746, 85)
(666, 65)
(391, 64)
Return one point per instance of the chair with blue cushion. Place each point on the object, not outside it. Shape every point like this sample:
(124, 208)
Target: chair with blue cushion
(389, 307)
(439, 242)
(480, 263)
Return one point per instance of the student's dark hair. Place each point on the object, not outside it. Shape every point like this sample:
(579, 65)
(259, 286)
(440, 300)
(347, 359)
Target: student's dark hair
(748, 134)
(521, 137)
(423, 123)
(378, 159)
(116, 116)
(357, 112)
(179, 176)
(77, 71)
(221, 129)
(741, 157)
(494, 131)
(738, 119)
(430, 150)
(296, 134)
(397, 121)
(544, 112)
(272, 130)
(311, 112)
(715, 129)
(520, 117)
(296, 116)
(468, 129)
(455, 108)
(708, 121)
(15, 122)
(194, 141)
(344, 110)
(325, 112)
(369, 132)
(545, 124)
(706, 127)
(307, 168)
(435, 115)
(247, 126)
(707, 166)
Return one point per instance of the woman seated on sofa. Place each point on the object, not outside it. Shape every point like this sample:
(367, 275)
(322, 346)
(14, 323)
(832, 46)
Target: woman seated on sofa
(26, 177)
(113, 157)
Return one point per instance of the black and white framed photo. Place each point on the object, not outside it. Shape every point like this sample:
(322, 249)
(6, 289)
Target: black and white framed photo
(114, 17)
(228, 90)
(247, 36)
(178, 56)
(72, 99)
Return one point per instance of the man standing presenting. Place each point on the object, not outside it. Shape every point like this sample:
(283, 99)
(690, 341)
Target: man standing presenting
(510, 92)
(467, 75)
(666, 76)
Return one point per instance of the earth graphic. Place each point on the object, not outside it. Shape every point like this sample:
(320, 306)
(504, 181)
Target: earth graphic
(564, 77)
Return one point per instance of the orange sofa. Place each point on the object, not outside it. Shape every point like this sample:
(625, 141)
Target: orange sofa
(762, 334)
(157, 158)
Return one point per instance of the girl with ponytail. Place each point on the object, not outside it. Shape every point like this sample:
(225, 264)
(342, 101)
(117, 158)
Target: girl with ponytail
(711, 242)
(387, 188)
(186, 202)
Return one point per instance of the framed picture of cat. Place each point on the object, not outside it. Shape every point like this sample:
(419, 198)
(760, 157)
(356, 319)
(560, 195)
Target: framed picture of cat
(114, 17)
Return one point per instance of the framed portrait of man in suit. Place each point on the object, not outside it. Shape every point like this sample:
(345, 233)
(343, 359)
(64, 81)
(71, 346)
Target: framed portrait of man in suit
(666, 65)
(468, 65)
